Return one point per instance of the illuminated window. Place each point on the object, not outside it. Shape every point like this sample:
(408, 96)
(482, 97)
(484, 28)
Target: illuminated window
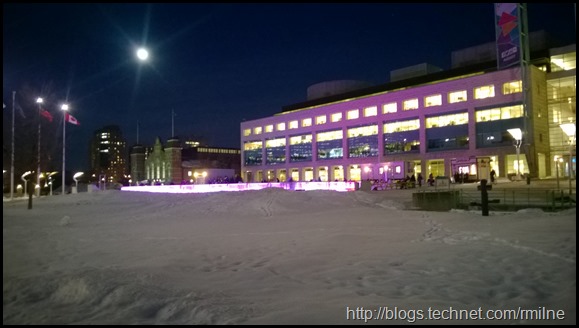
(296, 140)
(401, 126)
(252, 152)
(483, 92)
(457, 96)
(330, 135)
(281, 126)
(321, 119)
(293, 125)
(410, 104)
(361, 131)
(306, 122)
(446, 120)
(370, 111)
(564, 62)
(280, 142)
(257, 130)
(502, 113)
(389, 108)
(353, 114)
(434, 100)
(337, 117)
(269, 128)
(512, 87)
(252, 145)
(300, 148)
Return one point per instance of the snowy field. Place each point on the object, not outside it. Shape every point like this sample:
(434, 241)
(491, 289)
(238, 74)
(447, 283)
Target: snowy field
(281, 257)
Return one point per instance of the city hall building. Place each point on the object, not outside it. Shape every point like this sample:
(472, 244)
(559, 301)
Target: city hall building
(426, 121)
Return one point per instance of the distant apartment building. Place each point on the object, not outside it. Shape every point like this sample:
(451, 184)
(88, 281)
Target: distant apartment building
(108, 155)
(425, 121)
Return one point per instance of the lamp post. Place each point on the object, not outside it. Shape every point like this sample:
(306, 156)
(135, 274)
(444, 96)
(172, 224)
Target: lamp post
(570, 130)
(557, 161)
(75, 178)
(39, 101)
(64, 108)
(24, 180)
(517, 134)
(50, 181)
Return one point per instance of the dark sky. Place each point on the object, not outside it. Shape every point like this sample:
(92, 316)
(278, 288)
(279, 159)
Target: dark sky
(216, 65)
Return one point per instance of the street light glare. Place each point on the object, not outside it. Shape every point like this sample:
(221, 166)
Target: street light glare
(142, 54)
(516, 133)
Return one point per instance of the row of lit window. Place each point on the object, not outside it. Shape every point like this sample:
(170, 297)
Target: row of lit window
(106, 142)
(410, 104)
(218, 151)
(493, 114)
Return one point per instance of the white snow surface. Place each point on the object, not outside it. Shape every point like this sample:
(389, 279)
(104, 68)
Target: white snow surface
(278, 257)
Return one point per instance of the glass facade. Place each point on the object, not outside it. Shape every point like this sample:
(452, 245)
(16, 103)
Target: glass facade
(275, 151)
(252, 152)
(330, 144)
(301, 148)
(401, 142)
(363, 141)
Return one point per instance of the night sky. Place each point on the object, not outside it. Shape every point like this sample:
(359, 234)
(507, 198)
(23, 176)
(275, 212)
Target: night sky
(216, 65)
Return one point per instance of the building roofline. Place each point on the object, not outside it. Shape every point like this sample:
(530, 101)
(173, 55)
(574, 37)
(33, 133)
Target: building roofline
(538, 57)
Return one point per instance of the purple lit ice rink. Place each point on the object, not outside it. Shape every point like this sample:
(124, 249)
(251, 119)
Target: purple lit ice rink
(203, 188)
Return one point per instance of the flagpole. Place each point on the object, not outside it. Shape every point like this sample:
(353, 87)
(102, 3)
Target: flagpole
(172, 123)
(39, 101)
(12, 161)
(64, 109)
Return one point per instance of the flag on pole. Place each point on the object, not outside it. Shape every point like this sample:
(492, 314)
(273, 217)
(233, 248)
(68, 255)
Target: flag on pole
(46, 114)
(70, 119)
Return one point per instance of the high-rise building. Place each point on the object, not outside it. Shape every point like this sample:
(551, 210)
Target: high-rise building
(108, 155)
(444, 123)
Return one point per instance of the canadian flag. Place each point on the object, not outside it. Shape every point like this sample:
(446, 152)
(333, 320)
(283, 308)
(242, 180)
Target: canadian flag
(70, 119)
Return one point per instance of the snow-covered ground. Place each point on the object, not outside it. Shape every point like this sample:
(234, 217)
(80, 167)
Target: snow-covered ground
(280, 257)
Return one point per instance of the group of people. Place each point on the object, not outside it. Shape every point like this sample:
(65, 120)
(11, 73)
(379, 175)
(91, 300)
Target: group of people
(410, 181)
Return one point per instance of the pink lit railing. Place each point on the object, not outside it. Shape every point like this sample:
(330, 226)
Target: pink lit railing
(203, 188)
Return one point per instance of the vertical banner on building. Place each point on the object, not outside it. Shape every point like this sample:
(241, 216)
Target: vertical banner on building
(508, 34)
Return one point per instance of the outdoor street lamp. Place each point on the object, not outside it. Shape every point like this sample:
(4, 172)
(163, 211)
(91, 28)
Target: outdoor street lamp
(557, 161)
(517, 134)
(39, 101)
(25, 181)
(64, 108)
(570, 130)
(75, 178)
(50, 180)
